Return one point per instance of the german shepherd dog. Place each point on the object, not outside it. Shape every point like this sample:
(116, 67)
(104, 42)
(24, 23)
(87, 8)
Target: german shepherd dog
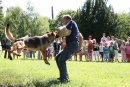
(38, 43)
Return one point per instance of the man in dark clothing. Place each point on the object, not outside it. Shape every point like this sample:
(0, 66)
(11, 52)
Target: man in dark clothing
(7, 47)
(72, 45)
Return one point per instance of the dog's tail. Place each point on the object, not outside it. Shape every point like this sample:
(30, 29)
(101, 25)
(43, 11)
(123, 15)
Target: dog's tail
(8, 34)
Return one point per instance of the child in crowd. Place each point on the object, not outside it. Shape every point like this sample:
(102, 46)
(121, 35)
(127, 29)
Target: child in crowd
(104, 42)
(101, 50)
(111, 52)
(50, 51)
(123, 53)
(106, 52)
(75, 56)
(25, 53)
(90, 50)
(39, 55)
(116, 49)
(85, 49)
(80, 55)
(128, 52)
(96, 50)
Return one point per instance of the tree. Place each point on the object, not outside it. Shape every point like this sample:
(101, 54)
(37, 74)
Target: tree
(123, 28)
(94, 18)
(24, 22)
(59, 17)
(1, 23)
(16, 17)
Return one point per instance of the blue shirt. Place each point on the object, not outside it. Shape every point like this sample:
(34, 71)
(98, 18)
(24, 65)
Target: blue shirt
(7, 42)
(71, 25)
(106, 49)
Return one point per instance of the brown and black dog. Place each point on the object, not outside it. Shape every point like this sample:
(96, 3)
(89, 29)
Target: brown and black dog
(38, 43)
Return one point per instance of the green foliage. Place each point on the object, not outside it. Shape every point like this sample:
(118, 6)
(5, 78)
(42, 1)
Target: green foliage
(59, 17)
(95, 17)
(1, 23)
(52, 24)
(123, 28)
(24, 22)
(16, 17)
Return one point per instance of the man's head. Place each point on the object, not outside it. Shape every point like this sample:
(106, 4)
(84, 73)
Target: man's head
(66, 19)
(103, 34)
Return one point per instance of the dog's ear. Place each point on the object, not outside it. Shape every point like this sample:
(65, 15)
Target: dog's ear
(52, 33)
(57, 36)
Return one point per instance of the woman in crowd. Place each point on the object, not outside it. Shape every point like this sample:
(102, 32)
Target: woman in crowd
(123, 53)
(90, 50)
(85, 49)
(96, 50)
(116, 49)
(50, 52)
(127, 52)
(25, 53)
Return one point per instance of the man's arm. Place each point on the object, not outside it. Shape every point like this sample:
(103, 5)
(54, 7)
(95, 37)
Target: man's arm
(80, 36)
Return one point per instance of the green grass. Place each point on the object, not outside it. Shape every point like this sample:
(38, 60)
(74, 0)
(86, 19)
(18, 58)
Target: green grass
(35, 73)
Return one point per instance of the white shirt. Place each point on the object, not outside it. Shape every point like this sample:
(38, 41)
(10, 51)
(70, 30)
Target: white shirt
(101, 48)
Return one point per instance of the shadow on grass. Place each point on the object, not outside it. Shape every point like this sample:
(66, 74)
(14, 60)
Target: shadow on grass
(47, 83)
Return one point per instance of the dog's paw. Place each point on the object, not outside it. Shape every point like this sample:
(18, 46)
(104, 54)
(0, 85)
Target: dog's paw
(47, 63)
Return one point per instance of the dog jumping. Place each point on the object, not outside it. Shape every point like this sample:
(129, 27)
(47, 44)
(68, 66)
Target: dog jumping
(38, 43)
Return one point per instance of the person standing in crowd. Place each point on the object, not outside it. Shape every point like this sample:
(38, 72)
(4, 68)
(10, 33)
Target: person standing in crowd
(81, 54)
(111, 52)
(101, 50)
(127, 50)
(128, 39)
(108, 41)
(123, 53)
(104, 42)
(31, 52)
(50, 52)
(113, 39)
(80, 48)
(106, 52)
(71, 47)
(116, 49)
(7, 47)
(85, 49)
(90, 38)
(103, 37)
(96, 50)
(56, 46)
(39, 55)
(25, 53)
(90, 50)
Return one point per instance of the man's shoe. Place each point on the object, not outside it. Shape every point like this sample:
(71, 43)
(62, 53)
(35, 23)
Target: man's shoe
(64, 81)
(58, 78)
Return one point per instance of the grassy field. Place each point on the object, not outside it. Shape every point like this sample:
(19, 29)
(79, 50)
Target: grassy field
(35, 73)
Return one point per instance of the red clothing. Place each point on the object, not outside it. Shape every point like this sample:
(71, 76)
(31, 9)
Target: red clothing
(90, 47)
(127, 49)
